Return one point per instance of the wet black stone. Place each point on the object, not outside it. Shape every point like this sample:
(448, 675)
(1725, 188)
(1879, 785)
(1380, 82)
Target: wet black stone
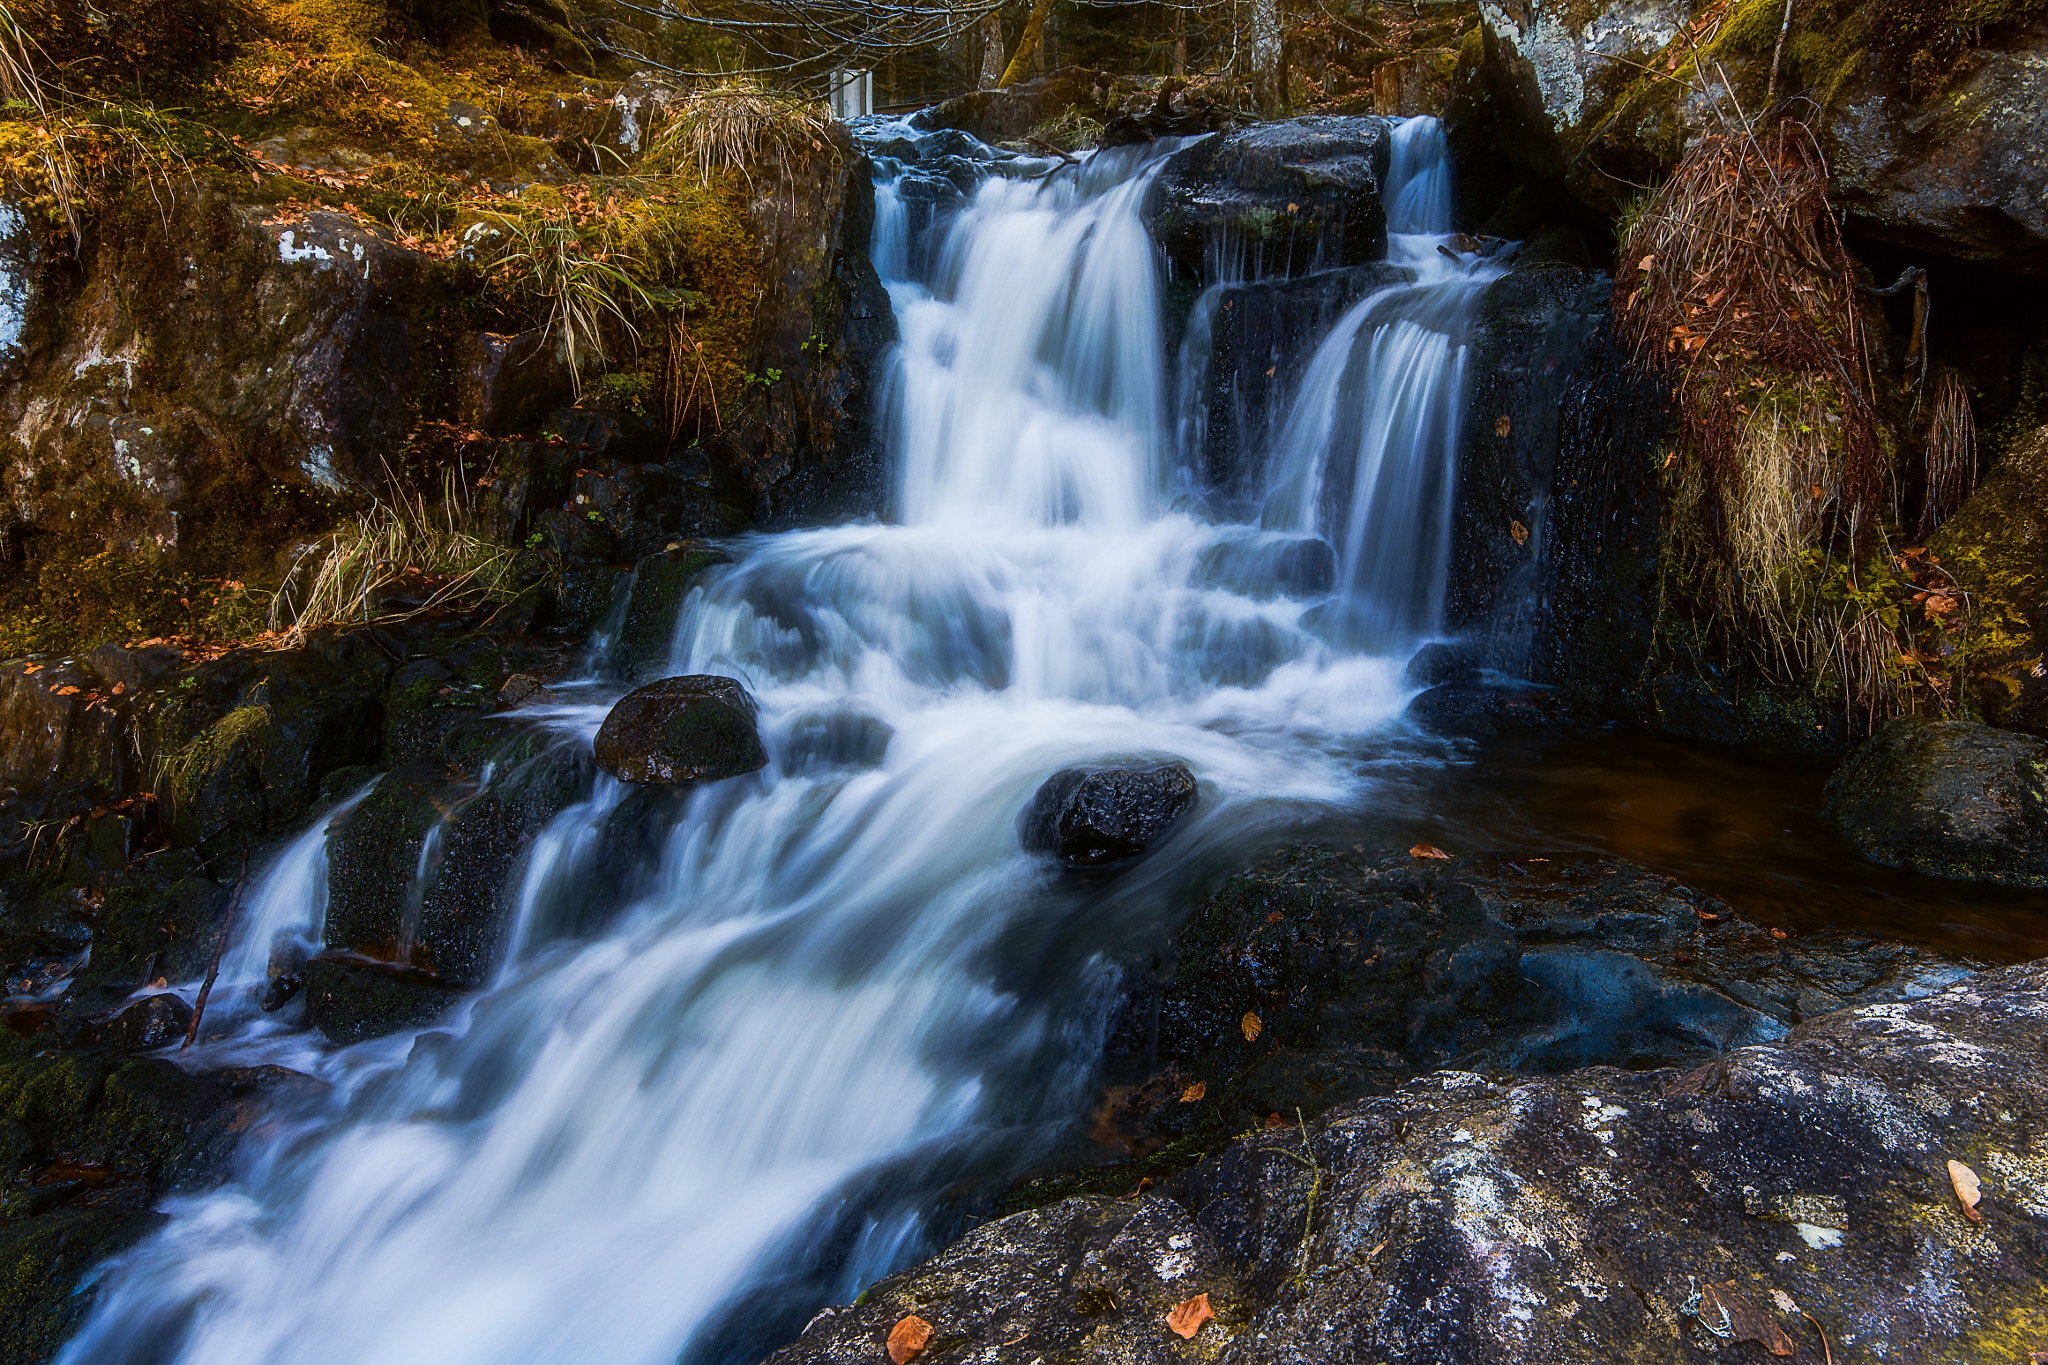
(838, 738)
(1443, 661)
(1475, 710)
(1947, 798)
(695, 728)
(1100, 817)
(150, 1022)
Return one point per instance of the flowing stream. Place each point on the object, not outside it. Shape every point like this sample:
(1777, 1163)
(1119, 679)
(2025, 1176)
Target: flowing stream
(675, 1133)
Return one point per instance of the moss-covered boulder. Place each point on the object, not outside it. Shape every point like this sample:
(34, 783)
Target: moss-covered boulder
(1788, 1192)
(1949, 799)
(661, 582)
(695, 728)
(1995, 547)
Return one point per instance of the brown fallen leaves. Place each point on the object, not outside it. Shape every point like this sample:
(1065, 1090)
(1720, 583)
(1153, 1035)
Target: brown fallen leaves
(1427, 851)
(1969, 1190)
(907, 1338)
(1251, 1026)
(1728, 1312)
(1194, 1092)
(1187, 1318)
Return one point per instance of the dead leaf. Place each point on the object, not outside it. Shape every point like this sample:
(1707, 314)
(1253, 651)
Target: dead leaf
(1733, 1314)
(1648, 262)
(1777, 933)
(1274, 917)
(1252, 1026)
(1501, 427)
(1187, 1318)
(1968, 1189)
(1518, 532)
(1275, 1121)
(1427, 851)
(907, 1338)
(1194, 1092)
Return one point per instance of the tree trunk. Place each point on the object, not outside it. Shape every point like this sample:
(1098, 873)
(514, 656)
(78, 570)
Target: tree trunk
(991, 50)
(1180, 44)
(1028, 43)
(1265, 55)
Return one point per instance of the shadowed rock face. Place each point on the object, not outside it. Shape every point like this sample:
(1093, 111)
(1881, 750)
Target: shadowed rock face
(1948, 798)
(696, 728)
(1364, 972)
(1595, 1217)
(1100, 817)
(1292, 196)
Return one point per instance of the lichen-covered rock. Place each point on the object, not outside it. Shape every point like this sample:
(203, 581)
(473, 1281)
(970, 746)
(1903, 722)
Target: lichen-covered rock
(1102, 817)
(1961, 174)
(1275, 198)
(1582, 98)
(1947, 798)
(1363, 972)
(1603, 1216)
(695, 728)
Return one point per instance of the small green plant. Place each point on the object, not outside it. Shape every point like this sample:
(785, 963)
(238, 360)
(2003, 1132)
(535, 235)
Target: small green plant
(182, 771)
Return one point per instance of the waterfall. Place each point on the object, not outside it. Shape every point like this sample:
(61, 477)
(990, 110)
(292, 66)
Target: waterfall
(842, 986)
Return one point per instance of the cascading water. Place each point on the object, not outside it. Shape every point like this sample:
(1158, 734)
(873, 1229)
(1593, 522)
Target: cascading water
(842, 986)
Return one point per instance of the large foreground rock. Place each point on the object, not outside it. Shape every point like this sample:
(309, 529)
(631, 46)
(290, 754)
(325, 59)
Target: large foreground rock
(1802, 1186)
(1948, 798)
(1358, 973)
(695, 728)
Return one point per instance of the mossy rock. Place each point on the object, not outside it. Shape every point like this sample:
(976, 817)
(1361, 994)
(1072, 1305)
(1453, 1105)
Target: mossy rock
(696, 728)
(351, 1003)
(1948, 799)
(660, 583)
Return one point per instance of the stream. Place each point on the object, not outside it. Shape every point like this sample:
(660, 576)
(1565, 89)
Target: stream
(701, 1100)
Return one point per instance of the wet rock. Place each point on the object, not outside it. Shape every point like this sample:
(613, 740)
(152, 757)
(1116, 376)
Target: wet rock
(1364, 972)
(1287, 197)
(151, 1022)
(1087, 1279)
(1103, 817)
(660, 583)
(1005, 115)
(808, 447)
(1172, 111)
(1947, 798)
(1475, 710)
(1575, 1220)
(1443, 661)
(1250, 343)
(352, 1000)
(523, 689)
(695, 728)
(1270, 566)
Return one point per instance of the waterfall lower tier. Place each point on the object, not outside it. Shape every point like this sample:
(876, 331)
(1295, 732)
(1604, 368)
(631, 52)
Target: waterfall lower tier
(678, 1121)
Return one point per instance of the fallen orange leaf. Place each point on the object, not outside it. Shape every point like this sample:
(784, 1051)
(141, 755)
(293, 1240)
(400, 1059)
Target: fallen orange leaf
(1186, 1319)
(1252, 1026)
(1427, 851)
(907, 1338)
(1194, 1092)
(1969, 1190)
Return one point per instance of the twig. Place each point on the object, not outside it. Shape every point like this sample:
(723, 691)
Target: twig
(1826, 1350)
(220, 949)
(1777, 53)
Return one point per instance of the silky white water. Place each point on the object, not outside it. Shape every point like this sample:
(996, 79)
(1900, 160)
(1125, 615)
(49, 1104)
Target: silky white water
(675, 1133)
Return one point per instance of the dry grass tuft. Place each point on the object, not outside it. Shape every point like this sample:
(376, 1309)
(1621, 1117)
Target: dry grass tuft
(1951, 453)
(407, 542)
(738, 125)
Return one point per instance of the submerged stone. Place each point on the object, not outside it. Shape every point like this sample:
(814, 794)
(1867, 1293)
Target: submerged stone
(1100, 817)
(694, 728)
(1947, 798)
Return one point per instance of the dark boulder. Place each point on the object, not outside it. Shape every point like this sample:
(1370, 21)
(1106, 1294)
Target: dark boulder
(1947, 798)
(351, 999)
(1102, 817)
(1475, 710)
(1071, 92)
(1442, 661)
(695, 728)
(1363, 972)
(655, 603)
(1289, 197)
(1789, 1191)
(151, 1022)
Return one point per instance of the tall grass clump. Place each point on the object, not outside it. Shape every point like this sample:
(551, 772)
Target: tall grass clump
(1736, 287)
(438, 550)
(738, 125)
